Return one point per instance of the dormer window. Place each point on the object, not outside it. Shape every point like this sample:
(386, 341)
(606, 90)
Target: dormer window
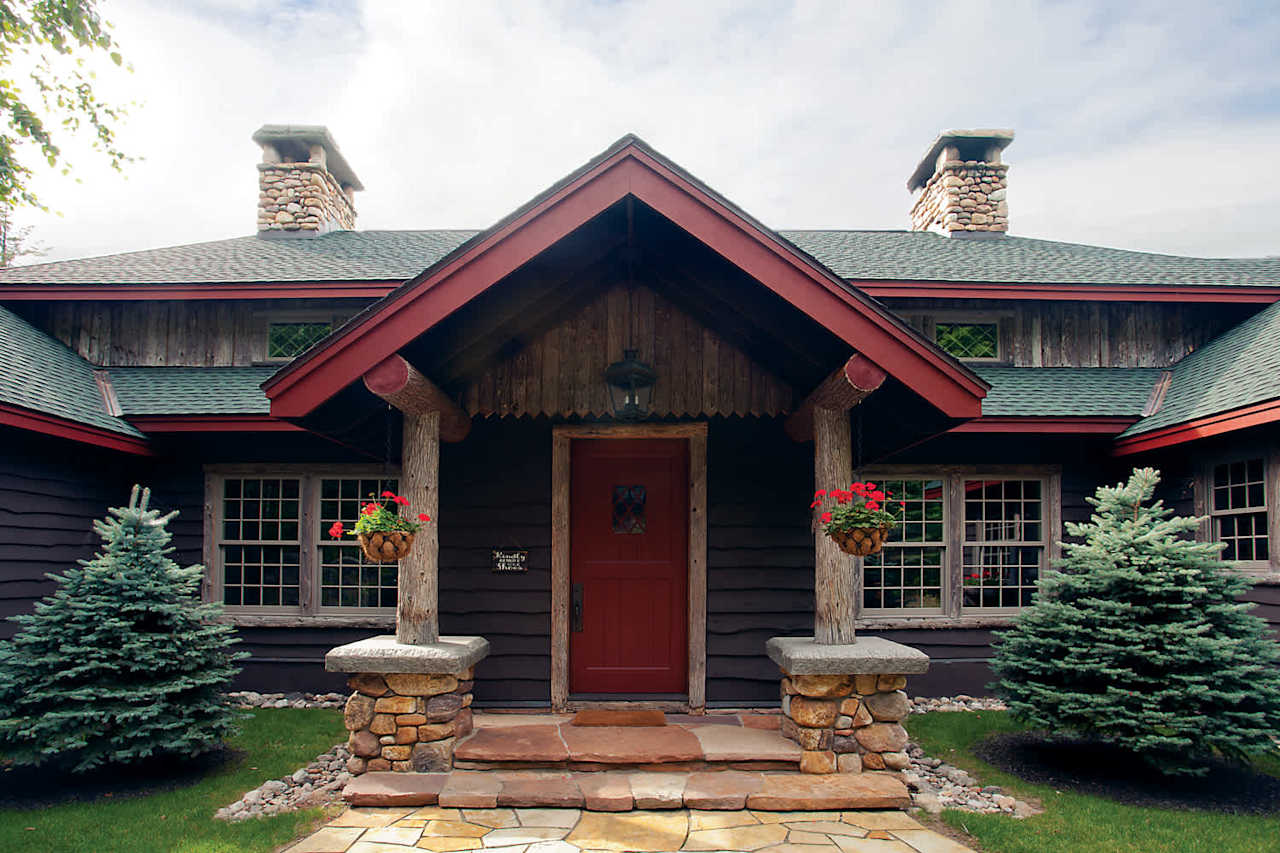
(969, 341)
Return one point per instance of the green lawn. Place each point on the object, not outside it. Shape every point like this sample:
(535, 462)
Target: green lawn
(276, 742)
(1079, 822)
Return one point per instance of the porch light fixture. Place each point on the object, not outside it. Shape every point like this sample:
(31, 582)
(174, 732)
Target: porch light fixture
(630, 386)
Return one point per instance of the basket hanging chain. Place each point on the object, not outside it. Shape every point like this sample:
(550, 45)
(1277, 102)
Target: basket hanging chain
(857, 448)
(386, 456)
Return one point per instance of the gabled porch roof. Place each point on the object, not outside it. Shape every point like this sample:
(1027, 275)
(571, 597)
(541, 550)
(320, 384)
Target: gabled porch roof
(628, 169)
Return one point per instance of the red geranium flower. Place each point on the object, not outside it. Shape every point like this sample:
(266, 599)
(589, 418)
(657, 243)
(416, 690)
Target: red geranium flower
(336, 530)
(422, 516)
(877, 495)
(401, 501)
(873, 505)
(821, 493)
(369, 509)
(826, 517)
(871, 485)
(388, 494)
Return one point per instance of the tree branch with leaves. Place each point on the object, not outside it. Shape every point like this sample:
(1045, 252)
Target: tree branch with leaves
(49, 42)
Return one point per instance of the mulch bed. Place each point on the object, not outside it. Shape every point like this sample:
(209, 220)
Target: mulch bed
(1099, 769)
(31, 788)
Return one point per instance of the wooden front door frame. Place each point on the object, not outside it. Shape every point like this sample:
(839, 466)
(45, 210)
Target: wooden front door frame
(696, 435)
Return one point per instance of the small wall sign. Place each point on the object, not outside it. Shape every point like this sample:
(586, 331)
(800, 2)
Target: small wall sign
(510, 561)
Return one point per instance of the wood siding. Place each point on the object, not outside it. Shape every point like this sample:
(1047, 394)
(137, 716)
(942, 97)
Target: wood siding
(561, 372)
(1087, 334)
(175, 333)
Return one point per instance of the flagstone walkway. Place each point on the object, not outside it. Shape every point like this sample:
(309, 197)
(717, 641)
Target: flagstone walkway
(388, 830)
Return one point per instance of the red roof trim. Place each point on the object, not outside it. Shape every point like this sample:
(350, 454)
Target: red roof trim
(1223, 422)
(59, 427)
(1070, 292)
(212, 291)
(1048, 425)
(212, 423)
(442, 289)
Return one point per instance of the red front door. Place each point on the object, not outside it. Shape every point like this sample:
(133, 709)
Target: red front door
(629, 529)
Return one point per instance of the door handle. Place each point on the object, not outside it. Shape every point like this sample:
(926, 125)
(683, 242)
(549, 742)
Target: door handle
(576, 617)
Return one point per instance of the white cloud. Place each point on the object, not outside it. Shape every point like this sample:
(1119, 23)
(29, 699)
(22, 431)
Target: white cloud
(1142, 126)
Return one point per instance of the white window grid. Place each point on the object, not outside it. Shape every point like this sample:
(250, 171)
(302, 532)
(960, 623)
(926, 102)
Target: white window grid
(1003, 542)
(909, 574)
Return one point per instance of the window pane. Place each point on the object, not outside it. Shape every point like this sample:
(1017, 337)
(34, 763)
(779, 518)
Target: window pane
(1003, 542)
(346, 579)
(1245, 535)
(290, 340)
(907, 574)
(968, 340)
(264, 567)
(1239, 485)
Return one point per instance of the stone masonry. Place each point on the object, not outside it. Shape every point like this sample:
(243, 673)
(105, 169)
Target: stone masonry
(407, 721)
(962, 184)
(302, 197)
(846, 723)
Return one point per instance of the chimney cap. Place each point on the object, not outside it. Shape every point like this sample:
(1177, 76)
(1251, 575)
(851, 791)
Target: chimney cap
(999, 138)
(311, 134)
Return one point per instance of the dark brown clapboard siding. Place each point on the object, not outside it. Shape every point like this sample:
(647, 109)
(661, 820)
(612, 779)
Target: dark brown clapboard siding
(51, 491)
(1091, 334)
(176, 333)
(561, 371)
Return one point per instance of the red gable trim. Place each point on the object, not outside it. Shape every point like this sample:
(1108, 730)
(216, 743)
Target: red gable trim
(1224, 422)
(212, 423)
(443, 289)
(34, 421)
(1070, 292)
(213, 291)
(1048, 425)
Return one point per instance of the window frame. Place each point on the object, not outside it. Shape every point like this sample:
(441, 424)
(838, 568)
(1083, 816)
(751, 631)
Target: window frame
(1208, 530)
(266, 319)
(310, 540)
(928, 326)
(953, 477)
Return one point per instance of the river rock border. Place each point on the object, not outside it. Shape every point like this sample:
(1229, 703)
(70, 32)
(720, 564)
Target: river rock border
(407, 722)
(846, 723)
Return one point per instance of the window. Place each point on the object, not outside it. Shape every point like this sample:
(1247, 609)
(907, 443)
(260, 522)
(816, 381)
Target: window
(971, 341)
(907, 574)
(288, 340)
(271, 547)
(971, 542)
(1003, 542)
(1238, 509)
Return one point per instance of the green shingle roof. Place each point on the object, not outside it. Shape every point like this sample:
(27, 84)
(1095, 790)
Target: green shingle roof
(872, 255)
(191, 390)
(41, 374)
(1238, 368)
(1067, 391)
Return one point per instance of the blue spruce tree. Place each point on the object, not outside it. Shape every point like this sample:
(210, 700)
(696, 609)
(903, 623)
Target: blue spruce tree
(1140, 640)
(122, 662)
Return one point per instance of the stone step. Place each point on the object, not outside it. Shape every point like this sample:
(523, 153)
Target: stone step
(659, 748)
(615, 791)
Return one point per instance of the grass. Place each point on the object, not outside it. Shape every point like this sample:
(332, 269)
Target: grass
(272, 743)
(1076, 822)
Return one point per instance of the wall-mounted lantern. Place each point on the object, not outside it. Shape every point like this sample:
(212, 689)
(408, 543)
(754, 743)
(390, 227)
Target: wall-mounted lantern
(630, 386)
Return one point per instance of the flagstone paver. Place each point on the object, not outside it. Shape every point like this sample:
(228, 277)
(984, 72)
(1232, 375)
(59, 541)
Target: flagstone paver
(640, 831)
(751, 837)
(495, 818)
(724, 743)
(626, 745)
(470, 790)
(331, 839)
(548, 830)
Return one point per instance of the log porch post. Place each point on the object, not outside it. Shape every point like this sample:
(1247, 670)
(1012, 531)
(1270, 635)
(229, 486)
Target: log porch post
(429, 416)
(824, 417)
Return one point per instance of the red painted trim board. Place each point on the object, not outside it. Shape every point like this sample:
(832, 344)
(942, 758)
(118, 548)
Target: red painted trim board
(40, 422)
(1224, 422)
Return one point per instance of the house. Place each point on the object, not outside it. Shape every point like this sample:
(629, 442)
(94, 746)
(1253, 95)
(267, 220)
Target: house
(265, 385)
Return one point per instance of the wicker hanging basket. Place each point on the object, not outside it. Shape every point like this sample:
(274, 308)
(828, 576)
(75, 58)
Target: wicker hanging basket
(860, 541)
(382, 547)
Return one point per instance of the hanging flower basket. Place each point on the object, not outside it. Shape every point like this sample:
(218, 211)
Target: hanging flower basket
(384, 534)
(859, 519)
(385, 547)
(860, 541)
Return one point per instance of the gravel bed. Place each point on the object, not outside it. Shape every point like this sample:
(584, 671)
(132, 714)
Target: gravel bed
(935, 786)
(926, 704)
(318, 784)
(251, 699)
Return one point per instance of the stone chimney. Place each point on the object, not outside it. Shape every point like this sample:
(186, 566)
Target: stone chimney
(962, 184)
(305, 186)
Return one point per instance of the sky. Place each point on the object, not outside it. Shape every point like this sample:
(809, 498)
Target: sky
(1150, 126)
